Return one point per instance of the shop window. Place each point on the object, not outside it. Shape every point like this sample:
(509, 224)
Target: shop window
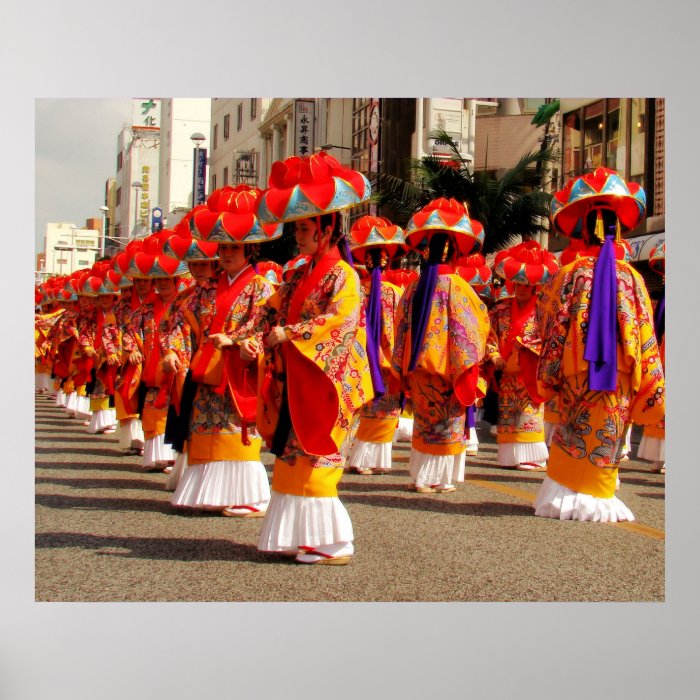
(572, 143)
(227, 126)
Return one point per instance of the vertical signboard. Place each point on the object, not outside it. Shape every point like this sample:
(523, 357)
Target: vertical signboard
(373, 142)
(445, 115)
(145, 113)
(200, 177)
(304, 112)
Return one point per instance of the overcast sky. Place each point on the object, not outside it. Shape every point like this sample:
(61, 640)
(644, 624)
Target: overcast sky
(76, 151)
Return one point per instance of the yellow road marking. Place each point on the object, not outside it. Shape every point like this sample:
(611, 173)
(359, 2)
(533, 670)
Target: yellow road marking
(640, 529)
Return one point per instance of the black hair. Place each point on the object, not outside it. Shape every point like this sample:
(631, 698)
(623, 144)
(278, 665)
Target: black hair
(609, 223)
(441, 248)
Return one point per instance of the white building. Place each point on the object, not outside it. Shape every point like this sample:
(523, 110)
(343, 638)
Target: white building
(68, 248)
(180, 119)
(138, 163)
(249, 134)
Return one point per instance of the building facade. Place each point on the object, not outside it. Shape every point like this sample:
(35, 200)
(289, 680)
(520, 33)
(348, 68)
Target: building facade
(181, 118)
(137, 176)
(68, 248)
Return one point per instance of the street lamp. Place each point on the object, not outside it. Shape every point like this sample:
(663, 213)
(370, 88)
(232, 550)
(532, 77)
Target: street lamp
(197, 138)
(136, 184)
(104, 210)
(328, 146)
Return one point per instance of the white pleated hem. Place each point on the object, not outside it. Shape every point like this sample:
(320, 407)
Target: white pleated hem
(105, 418)
(131, 433)
(549, 432)
(223, 484)
(83, 407)
(302, 521)
(43, 382)
(556, 501)
(627, 442)
(155, 450)
(72, 402)
(472, 441)
(177, 473)
(404, 430)
(369, 455)
(652, 449)
(60, 398)
(510, 454)
(433, 470)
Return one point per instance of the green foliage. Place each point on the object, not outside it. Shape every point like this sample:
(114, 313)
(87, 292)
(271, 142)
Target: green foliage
(511, 205)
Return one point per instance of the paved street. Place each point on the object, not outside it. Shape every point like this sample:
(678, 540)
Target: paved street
(105, 531)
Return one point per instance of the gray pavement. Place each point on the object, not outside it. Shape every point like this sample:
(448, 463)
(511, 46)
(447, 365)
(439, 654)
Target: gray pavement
(105, 531)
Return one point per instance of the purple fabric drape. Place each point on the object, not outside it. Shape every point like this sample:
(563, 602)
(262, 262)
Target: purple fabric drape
(471, 417)
(660, 318)
(420, 312)
(601, 342)
(374, 330)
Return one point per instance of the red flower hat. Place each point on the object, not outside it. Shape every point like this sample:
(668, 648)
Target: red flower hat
(401, 278)
(657, 258)
(301, 188)
(601, 189)
(290, 267)
(270, 270)
(446, 216)
(527, 263)
(229, 217)
(376, 232)
(147, 266)
(474, 270)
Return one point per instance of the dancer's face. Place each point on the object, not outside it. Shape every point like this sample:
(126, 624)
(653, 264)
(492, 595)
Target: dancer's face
(232, 258)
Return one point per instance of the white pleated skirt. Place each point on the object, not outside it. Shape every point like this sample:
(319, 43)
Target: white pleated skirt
(131, 433)
(105, 418)
(301, 521)
(72, 402)
(404, 430)
(156, 451)
(223, 484)
(83, 407)
(43, 381)
(369, 455)
(652, 449)
(472, 443)
(60, 398)
(510, 454)
(549, 432)
(627, 444)
(433, 470)
(178, 470)
(556, 501)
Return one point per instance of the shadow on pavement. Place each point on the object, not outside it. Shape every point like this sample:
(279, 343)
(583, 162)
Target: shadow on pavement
(91, 466)
(171, 548)
(86, 483)
(93, 503)
(84, 437)
(439, 504)
(659, 496)
(98, 452)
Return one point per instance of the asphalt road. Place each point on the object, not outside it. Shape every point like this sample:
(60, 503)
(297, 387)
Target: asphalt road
(105, 531)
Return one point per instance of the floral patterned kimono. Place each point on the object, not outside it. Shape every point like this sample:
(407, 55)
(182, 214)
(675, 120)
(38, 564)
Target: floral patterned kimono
(223, 445)
(142, 333)
(587, 442)
(43, 360)
(308, 406)
(444, 381)
(379, 418)
(104, 336)
(64, 344)
(126, 397)
(516, 338)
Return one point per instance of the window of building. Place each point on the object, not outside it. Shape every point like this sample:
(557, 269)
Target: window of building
(253, 108)
(118, 196)
(611, 133)
(227, 126)
(239, 117)
(83, 262)
(120, 160)
(216, 135)
(247, 168)
(213, 182)
(62, 243)
(225, 175)
(83, 242)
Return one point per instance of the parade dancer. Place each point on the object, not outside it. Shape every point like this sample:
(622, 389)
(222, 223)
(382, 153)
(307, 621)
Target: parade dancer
(374, 242)
(513, 349)
(600, 354)
(652, 446)
(316, 375)
(142, 342)
(224, 470)
(441, 331)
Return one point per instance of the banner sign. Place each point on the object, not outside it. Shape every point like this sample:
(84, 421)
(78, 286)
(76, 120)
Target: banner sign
(304, 112)
(200, 178)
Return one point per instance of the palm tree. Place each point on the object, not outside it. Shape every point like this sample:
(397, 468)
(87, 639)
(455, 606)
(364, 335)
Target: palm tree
(511, 206)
